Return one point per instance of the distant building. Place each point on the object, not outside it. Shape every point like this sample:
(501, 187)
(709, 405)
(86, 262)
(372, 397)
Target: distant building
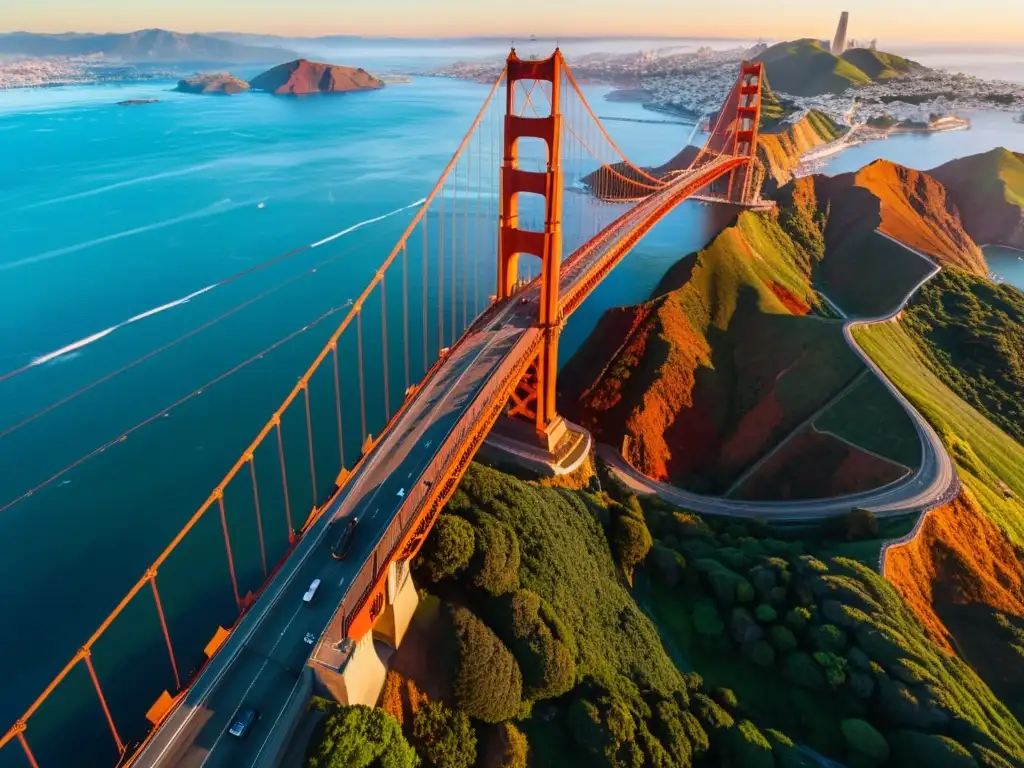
(839, 41)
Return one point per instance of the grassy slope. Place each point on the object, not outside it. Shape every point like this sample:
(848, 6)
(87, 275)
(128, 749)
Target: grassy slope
(991, 463)
(868, 416)
(805, 68)
(973, 333)
(878, 65)
(719, 366)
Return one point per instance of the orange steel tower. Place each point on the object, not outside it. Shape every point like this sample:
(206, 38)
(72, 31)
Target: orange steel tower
(534, 398)
(748, 118)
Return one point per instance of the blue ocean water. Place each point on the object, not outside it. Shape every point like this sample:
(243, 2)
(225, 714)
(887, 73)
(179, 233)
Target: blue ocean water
(109, 217)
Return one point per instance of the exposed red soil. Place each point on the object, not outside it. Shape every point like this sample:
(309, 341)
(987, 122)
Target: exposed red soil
(812, 465)
(956, 575)
(755, 428)
(790, 301)
(960, 557)
(911, 207)
(302, 77)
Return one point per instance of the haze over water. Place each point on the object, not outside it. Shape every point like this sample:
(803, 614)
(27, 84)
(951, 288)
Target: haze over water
(108, 213)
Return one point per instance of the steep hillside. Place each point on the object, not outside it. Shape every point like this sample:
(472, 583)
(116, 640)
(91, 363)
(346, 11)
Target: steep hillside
(973, 333)
(806, 68)
(302, 77)
(911, 207)
(989, 192)
(781, 147)
(965, 581)
(721, 364)
(878, 65)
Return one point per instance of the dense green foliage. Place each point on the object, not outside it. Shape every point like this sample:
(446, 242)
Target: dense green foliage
(973, 330)
(449, 550)
(443, 737)
(358, 737)
(828, 652)
(488, 684)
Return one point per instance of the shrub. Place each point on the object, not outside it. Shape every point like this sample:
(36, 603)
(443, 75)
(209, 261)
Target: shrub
(856, 525)
(448, 549)
(726, 697)
(748, 747)
(861, 683)
(695, 734)
(915, 748)
(508, 748)
(834, 666)
(745, 592)
(444, 738)
(760, 653)
(786, 753)
(667, 726)
(782, 638)
(360, 737)
(861, 736)
(763, 579)
(801, 670)
(630, 540)
(690, 525)
(987, 758)
(710, 715)
(765, 614)
(495, 566)
(488, 684)
(706, 619)
(667, 564)
(538, 640)
(797, 618)
(828, 638)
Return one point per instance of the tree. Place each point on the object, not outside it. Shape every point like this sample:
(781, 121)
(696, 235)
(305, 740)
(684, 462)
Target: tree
(630, 540)
(507, 747)
(707, 621)
(782, 638)
(828, 638)
(495, 566)
(834, 666)
(359, 737)
(916, 748)
(710, 715)
(448, 549)
(748, 747)
(801, 670)
(667, 564)
(765, 613)
(444, 738)
(488, 684)
(540, 642)
(862, 737)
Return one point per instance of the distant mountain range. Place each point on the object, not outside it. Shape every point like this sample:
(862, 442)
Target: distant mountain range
(157, 45)
(807, 68)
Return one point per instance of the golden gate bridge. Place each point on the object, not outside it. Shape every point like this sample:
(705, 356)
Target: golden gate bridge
(456, 338)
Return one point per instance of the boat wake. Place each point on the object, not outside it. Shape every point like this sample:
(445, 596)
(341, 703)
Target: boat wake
(77, 345)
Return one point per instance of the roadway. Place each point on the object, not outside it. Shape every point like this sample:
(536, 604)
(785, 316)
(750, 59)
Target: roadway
(935, 482)
(260, 662)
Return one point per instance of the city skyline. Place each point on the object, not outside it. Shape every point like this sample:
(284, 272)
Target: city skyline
(918, 20)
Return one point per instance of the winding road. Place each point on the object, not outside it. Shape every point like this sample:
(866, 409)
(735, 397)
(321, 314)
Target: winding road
(934, 483)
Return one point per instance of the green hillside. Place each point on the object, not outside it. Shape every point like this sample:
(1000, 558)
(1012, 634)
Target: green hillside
(805, 68)
(879, 65)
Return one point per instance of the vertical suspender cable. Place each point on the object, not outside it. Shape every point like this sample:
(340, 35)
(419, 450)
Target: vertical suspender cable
(362, 380)
(337, 405)
(284, 479)
(405, 311)
(384, 341)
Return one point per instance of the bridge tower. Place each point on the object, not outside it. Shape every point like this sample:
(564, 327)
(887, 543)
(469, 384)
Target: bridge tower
(534, 398)
(742, 190)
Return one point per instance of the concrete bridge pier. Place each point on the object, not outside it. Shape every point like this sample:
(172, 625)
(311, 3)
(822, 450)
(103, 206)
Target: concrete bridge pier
(401, 605)
(353, 672)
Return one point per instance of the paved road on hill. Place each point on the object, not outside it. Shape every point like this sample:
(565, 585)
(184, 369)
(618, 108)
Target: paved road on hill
(934, 483)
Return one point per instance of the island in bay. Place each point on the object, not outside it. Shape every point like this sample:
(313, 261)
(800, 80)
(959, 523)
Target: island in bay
(295, 78)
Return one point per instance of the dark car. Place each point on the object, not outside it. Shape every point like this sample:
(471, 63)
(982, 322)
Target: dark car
(344, 542)
(242, 723)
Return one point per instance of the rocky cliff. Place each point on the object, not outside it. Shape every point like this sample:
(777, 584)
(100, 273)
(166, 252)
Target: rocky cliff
(212, 83)
(781, 148)
(302, 77)
(989, 192)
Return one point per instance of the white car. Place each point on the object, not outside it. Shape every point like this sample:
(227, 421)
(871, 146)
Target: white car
(311, 592)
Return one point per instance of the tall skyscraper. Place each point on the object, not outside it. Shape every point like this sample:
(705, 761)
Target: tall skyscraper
(839, 41)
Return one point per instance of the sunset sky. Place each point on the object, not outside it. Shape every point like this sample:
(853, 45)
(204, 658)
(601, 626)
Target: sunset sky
(896, 20)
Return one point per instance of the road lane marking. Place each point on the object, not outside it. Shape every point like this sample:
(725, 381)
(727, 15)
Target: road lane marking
(266, 660)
